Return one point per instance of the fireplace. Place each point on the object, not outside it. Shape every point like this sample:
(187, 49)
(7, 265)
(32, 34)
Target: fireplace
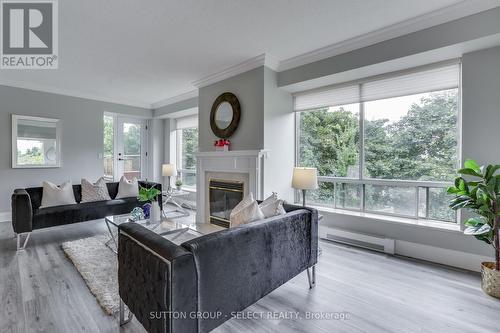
(243, 167)
(223, 196)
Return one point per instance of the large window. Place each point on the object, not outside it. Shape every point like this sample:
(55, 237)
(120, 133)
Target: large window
(386, 146)
(187, 147)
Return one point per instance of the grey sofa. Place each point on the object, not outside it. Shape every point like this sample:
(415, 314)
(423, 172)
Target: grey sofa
(27, 215)
(196, 287)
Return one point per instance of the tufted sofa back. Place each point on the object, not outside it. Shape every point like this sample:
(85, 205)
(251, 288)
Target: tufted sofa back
(157, 280)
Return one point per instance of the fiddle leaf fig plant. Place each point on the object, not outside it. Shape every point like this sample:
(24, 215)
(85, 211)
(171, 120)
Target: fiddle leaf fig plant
(477, 189)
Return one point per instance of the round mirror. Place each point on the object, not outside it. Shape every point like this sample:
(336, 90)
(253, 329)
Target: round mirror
(225, 115)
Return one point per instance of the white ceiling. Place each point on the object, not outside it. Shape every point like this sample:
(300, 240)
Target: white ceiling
(141, 52)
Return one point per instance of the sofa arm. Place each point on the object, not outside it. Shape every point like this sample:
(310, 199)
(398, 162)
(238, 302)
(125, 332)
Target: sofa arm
(22, 212)
(155, 185)
(156, 278)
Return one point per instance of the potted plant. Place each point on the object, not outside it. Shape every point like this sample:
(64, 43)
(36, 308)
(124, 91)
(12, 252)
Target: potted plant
(480, 194)
(178, 184)
(151, 208)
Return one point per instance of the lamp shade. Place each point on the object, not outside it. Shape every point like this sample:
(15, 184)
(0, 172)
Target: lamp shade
(168, 170)
(305, 178)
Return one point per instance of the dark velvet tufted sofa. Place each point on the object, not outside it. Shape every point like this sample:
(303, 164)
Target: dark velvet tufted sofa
(27, 215)
(200, 284)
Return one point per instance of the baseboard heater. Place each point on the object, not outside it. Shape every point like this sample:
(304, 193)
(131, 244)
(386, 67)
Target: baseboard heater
(366, 241)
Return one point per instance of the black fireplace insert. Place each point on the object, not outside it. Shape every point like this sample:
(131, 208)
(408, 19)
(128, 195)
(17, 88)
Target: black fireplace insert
(223, 196)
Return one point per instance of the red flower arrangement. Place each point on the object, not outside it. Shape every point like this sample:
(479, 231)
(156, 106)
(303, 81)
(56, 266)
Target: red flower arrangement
(222, 144)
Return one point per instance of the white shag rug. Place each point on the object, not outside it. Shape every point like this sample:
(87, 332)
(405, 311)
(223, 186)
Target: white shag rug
(98, 266)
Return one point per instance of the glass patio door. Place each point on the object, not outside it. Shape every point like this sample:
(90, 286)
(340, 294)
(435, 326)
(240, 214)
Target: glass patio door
(130, 148)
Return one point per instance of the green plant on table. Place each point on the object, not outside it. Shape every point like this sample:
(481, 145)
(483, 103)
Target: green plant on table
(148, 194)
(178, 183)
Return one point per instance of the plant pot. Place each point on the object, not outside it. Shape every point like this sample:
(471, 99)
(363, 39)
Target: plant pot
(490, 279)
(179, 187)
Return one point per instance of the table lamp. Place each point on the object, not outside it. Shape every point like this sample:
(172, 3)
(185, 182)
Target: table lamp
(305, 179)
(168, 170)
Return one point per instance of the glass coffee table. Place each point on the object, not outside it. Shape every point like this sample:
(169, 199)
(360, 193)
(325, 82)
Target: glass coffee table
(175, 232)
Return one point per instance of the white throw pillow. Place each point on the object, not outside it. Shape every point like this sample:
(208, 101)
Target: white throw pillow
(54, 195)
(272, 206)
(246, 211)
(95, 192)
(128, 188)
(270, 199)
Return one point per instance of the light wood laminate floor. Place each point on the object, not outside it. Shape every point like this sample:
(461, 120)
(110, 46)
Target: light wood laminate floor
(41, 291)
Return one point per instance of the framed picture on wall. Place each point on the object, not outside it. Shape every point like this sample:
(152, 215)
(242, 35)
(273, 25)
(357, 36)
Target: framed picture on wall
(36, 142)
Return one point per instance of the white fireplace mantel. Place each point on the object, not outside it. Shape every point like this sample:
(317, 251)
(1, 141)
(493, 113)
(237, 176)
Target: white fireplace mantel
(248, 162)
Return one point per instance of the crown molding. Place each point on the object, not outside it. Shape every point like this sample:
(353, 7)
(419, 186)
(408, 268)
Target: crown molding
(175, 99)
(446, 14)
(72, 93)
(252, 63)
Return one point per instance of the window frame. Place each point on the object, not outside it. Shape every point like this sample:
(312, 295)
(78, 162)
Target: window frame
(178, 157)
(362, 181)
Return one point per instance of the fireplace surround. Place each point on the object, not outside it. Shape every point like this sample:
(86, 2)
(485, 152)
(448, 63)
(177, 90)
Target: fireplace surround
(234, 166)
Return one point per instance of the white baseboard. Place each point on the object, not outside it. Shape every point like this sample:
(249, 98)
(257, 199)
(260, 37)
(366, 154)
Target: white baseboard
(439, 255)
(5, 216)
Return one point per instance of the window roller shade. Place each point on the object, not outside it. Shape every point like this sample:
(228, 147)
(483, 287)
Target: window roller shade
(412, 82)
(434, 79)
(186, 122)
(325, 98)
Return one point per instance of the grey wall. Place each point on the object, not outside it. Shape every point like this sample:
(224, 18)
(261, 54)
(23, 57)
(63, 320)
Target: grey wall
(279, 137)
(175, 107)
(248, 87)
(459, 31)
(481, 105)
(156, 149)
(82, 137)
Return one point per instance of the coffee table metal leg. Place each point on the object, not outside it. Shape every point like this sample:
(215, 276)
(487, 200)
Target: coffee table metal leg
(115, 250)
(182, 212)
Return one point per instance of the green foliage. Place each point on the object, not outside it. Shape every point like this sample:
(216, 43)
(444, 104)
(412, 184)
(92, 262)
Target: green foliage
(422, 145)
(132, 140)
(178, 182)
(108, 136)
(148, 194)
(31, 156)
(479, 194)
(189, 148)
(329, 141)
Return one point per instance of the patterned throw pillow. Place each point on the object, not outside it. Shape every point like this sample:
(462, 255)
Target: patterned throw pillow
(94, 192)
(272, 206)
